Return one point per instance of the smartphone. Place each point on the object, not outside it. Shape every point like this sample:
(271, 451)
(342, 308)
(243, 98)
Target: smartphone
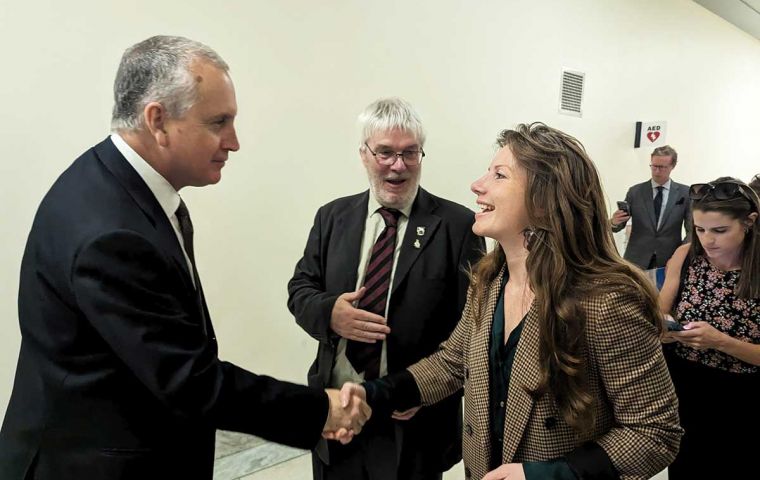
(673, 326)
(624, 207)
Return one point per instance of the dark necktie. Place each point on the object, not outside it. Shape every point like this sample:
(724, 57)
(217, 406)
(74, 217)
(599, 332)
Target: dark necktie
(658, 205)
(365, 357)
(186, 229)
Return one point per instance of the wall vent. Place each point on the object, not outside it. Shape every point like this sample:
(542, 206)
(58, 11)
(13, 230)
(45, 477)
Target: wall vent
(571, 92)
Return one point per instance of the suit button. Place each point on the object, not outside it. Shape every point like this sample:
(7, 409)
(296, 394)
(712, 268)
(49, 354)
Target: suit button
(467, 472)
(468, 429)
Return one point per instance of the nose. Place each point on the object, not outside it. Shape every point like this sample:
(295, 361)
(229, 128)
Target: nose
(398, 164)
(477, 186)
(230, 142)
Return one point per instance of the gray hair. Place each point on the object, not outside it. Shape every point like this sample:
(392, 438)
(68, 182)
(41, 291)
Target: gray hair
(390, 114)
(158, 70)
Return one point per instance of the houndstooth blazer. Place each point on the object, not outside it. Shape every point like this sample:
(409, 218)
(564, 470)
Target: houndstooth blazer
(635, 406)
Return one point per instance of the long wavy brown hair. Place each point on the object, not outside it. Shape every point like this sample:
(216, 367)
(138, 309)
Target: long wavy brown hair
(572, 256)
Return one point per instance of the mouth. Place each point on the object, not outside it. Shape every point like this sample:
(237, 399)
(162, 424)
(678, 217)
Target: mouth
(485, 207)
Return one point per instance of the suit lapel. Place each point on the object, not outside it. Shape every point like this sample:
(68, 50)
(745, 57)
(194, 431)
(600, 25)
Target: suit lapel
(524, 378)
(479, 364)
(115, 162)
(348, 231)
(648, 194)
(673, 196)
(420, 231)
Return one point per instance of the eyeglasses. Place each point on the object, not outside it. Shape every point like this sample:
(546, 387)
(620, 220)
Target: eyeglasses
(388, 157)
(719, 190)
(659, 167)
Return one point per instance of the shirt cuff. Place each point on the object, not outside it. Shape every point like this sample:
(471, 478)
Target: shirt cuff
(591, 462)
(397, 391)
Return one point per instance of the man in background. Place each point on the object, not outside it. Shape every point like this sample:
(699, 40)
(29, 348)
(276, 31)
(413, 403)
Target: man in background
(118, 374)
(381, 283)
(659, 208)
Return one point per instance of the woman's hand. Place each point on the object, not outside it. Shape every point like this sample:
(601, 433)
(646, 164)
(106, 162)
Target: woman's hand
(700, 335)
(510, 471)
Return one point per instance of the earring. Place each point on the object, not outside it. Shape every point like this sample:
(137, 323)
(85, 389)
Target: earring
(746, 230)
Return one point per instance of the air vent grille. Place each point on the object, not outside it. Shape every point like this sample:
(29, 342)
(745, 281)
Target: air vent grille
(571, 92)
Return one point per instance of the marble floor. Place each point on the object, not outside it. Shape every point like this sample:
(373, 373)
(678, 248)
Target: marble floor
(244, 457)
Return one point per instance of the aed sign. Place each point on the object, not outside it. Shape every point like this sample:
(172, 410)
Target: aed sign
(650, 134)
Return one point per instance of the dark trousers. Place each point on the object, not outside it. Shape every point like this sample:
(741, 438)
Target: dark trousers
(718, 412)
(375, 454)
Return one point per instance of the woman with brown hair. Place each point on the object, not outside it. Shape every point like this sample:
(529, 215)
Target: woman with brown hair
(712, 287)
(558, 347)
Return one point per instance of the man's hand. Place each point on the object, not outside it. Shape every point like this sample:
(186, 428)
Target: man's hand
(356, 324)
(346, 417)
(619, 217)
(510, 471)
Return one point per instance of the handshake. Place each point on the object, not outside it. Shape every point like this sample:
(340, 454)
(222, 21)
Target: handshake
(348, 412)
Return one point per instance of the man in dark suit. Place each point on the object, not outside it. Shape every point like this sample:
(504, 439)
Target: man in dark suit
(381, 283)
(660, 208)
(118, 374)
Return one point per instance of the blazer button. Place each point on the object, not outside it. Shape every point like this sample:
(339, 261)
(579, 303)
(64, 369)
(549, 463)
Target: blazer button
(467, 472)
(468, 429)
(550, 422)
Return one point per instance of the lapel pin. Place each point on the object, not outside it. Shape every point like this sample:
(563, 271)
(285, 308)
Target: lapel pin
(420, 231)
(417, 243)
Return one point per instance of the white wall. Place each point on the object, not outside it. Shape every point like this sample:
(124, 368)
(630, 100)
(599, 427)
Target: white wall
(304, 70)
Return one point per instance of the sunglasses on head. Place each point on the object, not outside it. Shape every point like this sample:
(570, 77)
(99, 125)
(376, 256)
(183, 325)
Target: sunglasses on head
(719, 190)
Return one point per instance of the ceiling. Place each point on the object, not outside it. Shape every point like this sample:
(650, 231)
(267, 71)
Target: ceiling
(745, 14)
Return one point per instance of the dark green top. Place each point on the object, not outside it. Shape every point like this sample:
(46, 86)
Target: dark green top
(501, 358)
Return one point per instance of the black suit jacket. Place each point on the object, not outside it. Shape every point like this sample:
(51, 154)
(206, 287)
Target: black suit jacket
(118, 374)
(427, 296)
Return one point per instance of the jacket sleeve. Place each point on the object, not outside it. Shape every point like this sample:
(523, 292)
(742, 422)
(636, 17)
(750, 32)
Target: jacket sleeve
(442, 373)
(132, 295)
(307, 299)
(626, 350)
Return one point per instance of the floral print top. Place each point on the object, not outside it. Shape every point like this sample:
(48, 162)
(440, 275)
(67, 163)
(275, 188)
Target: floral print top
(708, 295)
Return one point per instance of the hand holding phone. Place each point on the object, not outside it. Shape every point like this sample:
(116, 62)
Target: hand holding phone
(624, 207)
(673, 326)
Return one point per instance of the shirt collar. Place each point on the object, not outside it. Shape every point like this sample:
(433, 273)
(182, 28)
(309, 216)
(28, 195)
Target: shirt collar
(665, 185)
(167, 197)
(373, 205)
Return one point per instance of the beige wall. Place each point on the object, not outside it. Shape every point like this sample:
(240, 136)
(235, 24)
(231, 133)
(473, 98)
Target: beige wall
(304, 69)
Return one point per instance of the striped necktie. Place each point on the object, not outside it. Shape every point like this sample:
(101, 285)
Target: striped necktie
(365, 357)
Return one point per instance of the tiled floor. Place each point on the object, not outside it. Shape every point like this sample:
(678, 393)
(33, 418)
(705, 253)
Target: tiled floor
(243, 457)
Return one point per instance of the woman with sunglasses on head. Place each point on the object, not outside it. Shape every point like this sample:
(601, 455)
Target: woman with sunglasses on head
(712, 288)
(558, 347)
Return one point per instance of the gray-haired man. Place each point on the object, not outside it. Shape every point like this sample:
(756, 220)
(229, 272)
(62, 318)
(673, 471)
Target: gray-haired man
(118, 374)
(382, 282)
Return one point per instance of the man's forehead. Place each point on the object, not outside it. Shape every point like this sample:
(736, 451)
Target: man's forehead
(388, 137)
(662, 159)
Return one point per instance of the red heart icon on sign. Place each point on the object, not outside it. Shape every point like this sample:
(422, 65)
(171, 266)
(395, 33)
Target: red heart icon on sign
(653, 136)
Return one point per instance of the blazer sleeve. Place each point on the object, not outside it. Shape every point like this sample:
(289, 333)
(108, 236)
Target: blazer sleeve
(307, 299)
(627, 354)
(442, 374)
(128, 291)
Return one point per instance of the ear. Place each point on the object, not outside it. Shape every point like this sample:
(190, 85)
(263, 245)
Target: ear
(155, 118)
(751, 219)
